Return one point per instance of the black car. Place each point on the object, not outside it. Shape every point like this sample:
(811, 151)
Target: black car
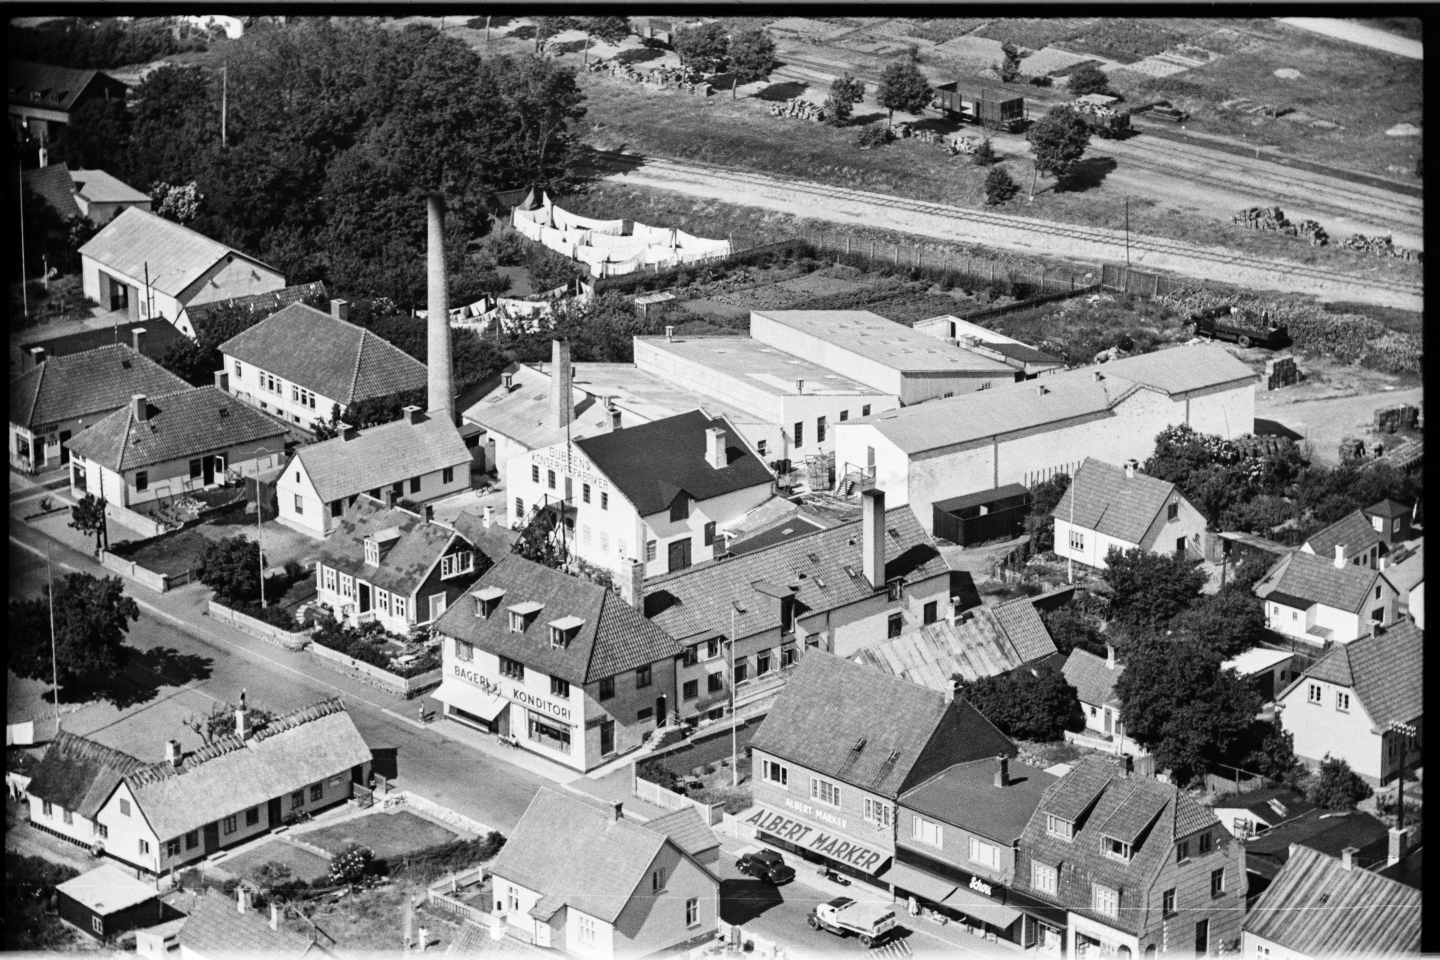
(766, 865)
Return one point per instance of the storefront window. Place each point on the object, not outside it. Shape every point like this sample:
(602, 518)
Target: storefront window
(545, 734)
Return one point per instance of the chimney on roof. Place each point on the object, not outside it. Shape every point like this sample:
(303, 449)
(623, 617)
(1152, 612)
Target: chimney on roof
(632, 583)
(242, 722)
(872, 537)
(562, 397)
(508, 379)
(1041, 390)
(1130, 469)
(140, 406)
(1002, 771)
(1339, 556)
(172, 752)
(411, 413)
(440, 392)
(1110, 656)
(715, 454)
(242, 900)
(392, 496)
(487, 515)
(38, 355)
(222, 380)
(275, 907)
(340, 309)
(1347, 857)
(135, 336)
(1399, 846)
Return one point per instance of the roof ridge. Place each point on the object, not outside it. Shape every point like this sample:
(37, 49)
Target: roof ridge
(355, 373)
(75, 746)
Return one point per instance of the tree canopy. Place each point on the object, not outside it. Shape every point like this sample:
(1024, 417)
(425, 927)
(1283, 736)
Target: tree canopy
(231, 568)
(845, 92)
(88, 516)
(751, 54)
(1044, 498)
(609, 29)
(1031, 704)
(1336, 786)
(1149, 588)
(706, 46)
(1089, 78)
(1058, 141)
(92, 618)
(903, 87)
(1229, 621)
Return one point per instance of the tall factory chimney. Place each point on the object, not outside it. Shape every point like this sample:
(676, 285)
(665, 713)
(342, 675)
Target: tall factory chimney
(440, 388)
(562, 397)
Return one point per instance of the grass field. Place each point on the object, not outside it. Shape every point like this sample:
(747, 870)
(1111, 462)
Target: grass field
(303, 864)
(172, 555)
(386, 834)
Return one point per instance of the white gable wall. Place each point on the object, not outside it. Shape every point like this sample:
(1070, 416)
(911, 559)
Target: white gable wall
(1321, 728)
(232, 276)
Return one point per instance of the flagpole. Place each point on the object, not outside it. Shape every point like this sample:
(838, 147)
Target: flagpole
(54, 663)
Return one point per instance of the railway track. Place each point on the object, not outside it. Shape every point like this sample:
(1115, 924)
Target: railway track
(847, 205)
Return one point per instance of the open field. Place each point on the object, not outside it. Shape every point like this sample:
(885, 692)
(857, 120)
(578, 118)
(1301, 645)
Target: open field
(388, 835)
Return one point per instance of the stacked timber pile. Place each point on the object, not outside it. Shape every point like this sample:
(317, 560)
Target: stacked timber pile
(798, 108)
(1281, 372)
(1379, 246)
(958, 145)
(1273, 219)
(1395, 419)
(667, 78)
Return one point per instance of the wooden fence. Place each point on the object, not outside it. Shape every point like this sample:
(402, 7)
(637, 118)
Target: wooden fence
(710, 813)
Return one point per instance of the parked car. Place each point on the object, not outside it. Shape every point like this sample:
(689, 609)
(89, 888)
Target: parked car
(766, 865)
(843, 916)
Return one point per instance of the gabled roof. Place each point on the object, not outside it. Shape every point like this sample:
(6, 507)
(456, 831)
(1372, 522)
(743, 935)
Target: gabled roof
(978, 646)
(157, 337)
(404, 563)
(50, 87)
(259, 304)
(1315, 907)
(1105, 500)
(1094, 682)
(86, 384)
(521, 412)
(332, 357)
(178, 426)
(1386, 670)
(215, 928)
(1389, 508)
(382, 455)
(654, 462)
(877, 732)
(79, 774)
(53, 185)
(97, 186)
(685, 827)
(698, 600)
(1183, 369)
(594, 864)
(175, 255)
(1317, 829)
(1353, 532)
(290, 752)
(613, 638)
(1311, 579)
(1273, 805)
(965, 795)
(1408, 573)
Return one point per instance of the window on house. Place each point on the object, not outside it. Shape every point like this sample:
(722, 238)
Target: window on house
(878, 812)
(642, 677)
(819, 429)
(337, 508)
(1342, 701)
(710, 533)
(124, 807)
(607, 688)
(1059, 827)
(299, 504)
(1205, 843)
(1043, 877)
(238, 368)
(317, 792)
(464, 651)
(1313, 695)
(229, 825)
(985, 854)
(645, 713)
(1217, 882)
(585, 926)
(690, 690)
(1167, 903)
(799, 433)
(1077, 540)
(894, 589)
(715, 682)
(926, 832)
(690, 656)
(102, 831)
(932, 611)
(760, 447)
(1182, 851)
(414, 484)
(762, 663)
(1172, 511)
(657, 879)
(142, 480)
(519, 510)
(535, 473)
(692, 911)
(372, 549)
(550, 479)
(192, 839)
(297, 799)
(742, 669)
(775, 772)
(399, 607)
(649, 550)
(604, 500)
(559, 688)
(513, 669)
(197, 467)
(144, 847)
(788, 656)
(1116, 849)
(456, 564)
(49, 808)
(844, 415)
(824, 791)
(252, 816)
(712, 648)
(67, 816)
(1105, 900)
(680, 509)
(865, 410)
(895, 625)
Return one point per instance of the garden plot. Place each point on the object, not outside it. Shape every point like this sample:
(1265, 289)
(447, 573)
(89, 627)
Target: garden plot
(388, 835)
(806, 29)
(302, 864)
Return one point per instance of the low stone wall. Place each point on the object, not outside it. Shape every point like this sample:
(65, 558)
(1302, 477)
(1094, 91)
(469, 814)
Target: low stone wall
(406, 687)
(141, 575)
(137, 521)
(289, 639)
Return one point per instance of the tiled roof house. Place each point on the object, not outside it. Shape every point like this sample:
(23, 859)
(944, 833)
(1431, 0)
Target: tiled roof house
(1108, 507)
(218, 927)
(1321, 600)
(198, 320)
(42, 95)
(1353, 536)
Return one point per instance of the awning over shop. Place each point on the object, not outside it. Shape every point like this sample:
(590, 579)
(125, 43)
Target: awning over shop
(918, 882)
(817, 838)
(486, 706)
(981, 907)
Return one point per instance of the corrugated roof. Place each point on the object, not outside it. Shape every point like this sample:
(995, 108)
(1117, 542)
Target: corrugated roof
(258, 304)
(175, 256)
(881, 340)
(685, 827)
(699, 600)
(979, 646)
(405, 562)
(53, 185)
(1094, 682)
(79, 774)
(965, 795)
(190, 423)
(1110, 503)
(1315, 579)
(332, 357)
(654, 462)
(877, 732)
(380, 456)
(1353, 532)
(86, 384)
(614, 637)
(1315, 907)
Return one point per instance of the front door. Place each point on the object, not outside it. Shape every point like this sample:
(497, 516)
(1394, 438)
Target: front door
(64, 450)
(212, 837)
(272, 810)
(1180, 547)
(437, 605)
(364, 596)
(680, 554)
(607, 737)
(660, 710)
(1202, 937)
(207, 470)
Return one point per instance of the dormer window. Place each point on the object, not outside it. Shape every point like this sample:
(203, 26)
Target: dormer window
(457, 564)
(372, 552)
(1059, 827)
(521, 614)
(562, 631)
(486, 600)
(1117, 849)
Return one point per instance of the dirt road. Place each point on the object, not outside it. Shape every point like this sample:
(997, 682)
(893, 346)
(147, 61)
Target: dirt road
(1075, 242)
(1359, 33)
(1326, 420)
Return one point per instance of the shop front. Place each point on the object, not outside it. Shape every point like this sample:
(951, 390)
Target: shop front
(473, 700)
(816, 840)
(1094, 940)
(507, 709)
(990, 909)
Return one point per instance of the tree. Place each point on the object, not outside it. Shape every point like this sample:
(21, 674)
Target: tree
(192, 362)
(1273, 753)
(1009, 70)
(1045, 496)
(1058, 141)
(179, 202)
(176, 126)
(88, 516)
(92, 617)
(1336, 786)
(31, 923)
(705, 47)
(538, 541)
(903, 87)
(1149, 588)
(326, 429)
(999, 187)
(220, 721)
(1229, 621)
(752, 54)
(97, 135)
(609, 29)
(1070, 627)
(1089, 78)
(1029, 703)
(845, 92)
(352, 866)
(984, 154)
(548, 27)
(231, 568)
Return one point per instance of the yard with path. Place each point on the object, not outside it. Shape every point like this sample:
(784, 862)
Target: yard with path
(388, 835)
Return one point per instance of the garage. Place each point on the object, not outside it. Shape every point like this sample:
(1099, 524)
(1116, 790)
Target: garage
(997, 514)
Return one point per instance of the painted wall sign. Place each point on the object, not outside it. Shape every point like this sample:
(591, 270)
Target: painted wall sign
(980, 886)
(476, 679)
(809, 810)
(513, 692)
(579, 468)
(817, 839)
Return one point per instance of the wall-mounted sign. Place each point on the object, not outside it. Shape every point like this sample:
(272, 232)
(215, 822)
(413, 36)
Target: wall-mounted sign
(476, 679)
(815, 813)
(817, 839)
(513, 692)
(980, 886)
(577, 466)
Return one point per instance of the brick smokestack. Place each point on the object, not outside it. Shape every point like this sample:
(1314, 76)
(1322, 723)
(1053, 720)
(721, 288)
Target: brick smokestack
(562, 402)
(440, 392)
(872, 536)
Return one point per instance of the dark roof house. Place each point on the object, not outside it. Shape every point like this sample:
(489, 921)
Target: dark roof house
(1328, 831)
(79, 774)
(216, 928)
(1354, 533)
(334, 358)
(151, 337)
(612, 637)
(967, 795)
(88, 384)
(653, 462)
(876, 732)
(46, 87)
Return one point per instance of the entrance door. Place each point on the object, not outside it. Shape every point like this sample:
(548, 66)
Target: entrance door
(1180, 547)
(680, 554)
(212, 837)
(607, 737)
(660, 710)
(64, 450)
(272, 808)
(1202, 937)
(437, 605)
(207, 470)
(364, 596)
(119, 294)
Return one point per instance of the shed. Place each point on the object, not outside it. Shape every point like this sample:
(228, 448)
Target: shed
(997, 514)
(108, 901)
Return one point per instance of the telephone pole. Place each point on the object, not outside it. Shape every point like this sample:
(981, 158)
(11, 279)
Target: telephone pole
(224, 100)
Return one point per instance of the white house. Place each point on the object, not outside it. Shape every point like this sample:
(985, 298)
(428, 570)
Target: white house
(1108, 507)
(92, 194)
(600, 886)
(1346, 703)
(659, 492)
(151, 267)
(1353, 537)
(1094, 680)
(300, 364)
(1026, 432)
(1323, 601)
(416, 458)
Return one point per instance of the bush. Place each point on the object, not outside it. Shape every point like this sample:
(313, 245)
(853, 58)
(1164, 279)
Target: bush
(1336, 786)
(874, 135)
(1000, 187)
(353, 866)
(1089, 78)
(443, 858)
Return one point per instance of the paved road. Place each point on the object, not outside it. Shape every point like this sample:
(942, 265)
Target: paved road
(446, 770)
(1360, 34)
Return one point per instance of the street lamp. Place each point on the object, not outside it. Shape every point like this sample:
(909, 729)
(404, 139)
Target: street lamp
(1406, 732)
(734, 751)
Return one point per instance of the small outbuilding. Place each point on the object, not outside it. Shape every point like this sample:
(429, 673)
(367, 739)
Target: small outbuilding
(108, 901)
(997, 514)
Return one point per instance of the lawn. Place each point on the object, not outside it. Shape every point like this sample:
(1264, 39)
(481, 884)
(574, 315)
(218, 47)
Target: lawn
(303, 864)
(171, 554)
(389, 835)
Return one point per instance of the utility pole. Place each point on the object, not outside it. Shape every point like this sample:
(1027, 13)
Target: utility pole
(1069, 547)
(224, 100)
(1127, 232)
(259, 533)
(24, 293)
(54, 662)
(734, 750)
